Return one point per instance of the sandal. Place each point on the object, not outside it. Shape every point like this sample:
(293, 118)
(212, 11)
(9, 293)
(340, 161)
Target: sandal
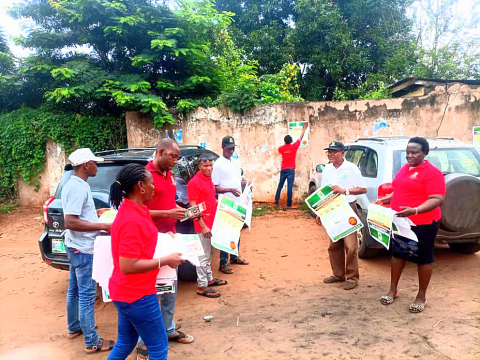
(238, 261)
(182, 338)
(226, 269)
(416, 309)
(218, 282)
(386, 300)
(99, 346)
(210, 293)
(142, 354)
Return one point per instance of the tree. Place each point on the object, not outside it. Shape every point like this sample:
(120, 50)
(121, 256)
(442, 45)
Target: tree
(448, 39)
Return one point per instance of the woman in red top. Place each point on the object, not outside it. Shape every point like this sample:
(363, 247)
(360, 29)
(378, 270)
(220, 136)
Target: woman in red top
(132, 285)
(418, 191)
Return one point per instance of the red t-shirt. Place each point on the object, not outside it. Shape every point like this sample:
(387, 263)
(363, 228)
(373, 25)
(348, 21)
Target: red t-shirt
(413, 187)
(289, 153)
(201, 189)
(163, 197)
(134, 236)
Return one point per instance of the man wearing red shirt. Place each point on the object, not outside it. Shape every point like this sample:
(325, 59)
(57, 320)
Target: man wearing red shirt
(289, 154)
(165, 213)
(201, 190)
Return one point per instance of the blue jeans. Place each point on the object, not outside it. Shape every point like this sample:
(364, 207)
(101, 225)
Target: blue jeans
(81, 296)
(142, 317)
(224, 256)
(167, 302)
(289, 175)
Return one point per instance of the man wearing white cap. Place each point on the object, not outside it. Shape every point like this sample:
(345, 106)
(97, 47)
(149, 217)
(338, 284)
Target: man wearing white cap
(82, 226)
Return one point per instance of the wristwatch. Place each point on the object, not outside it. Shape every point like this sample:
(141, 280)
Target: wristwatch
(347, 192)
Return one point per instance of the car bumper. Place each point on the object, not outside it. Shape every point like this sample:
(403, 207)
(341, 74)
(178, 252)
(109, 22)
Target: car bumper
(57, 261)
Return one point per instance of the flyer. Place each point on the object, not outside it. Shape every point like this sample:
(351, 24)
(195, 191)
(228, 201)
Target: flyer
(295, 130)
(228, 222)
(247, 200)
(379, 222)
(194, 211)
(335, 212)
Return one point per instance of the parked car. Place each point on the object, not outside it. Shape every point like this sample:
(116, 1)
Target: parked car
(51, 244)
(379, 160)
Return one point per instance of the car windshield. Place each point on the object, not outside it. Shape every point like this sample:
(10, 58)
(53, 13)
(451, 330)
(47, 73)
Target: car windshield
(449, 160)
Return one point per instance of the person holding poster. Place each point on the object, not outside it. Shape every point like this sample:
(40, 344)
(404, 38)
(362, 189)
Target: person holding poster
(165, 212)
(227, 178)
(418, 192)
(81, 222)
(287, 172)
(132, 284)
(346, 179)
(201, 190)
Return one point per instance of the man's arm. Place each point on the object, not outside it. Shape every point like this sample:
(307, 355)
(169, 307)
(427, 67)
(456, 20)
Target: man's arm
(73, 222)
(305, 125)
(176, 213)
(206, 231)
(221, 190)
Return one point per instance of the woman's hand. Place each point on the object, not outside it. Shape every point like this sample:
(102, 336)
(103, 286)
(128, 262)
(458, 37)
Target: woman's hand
(378, 202)
(173, 260)
(318, 221)
(408, 211)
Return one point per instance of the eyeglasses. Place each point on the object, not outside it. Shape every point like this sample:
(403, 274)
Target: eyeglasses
(207, 158)
(331, 152)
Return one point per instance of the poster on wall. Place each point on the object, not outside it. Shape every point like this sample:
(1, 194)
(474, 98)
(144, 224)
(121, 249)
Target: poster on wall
(476, 136)
(295, 130)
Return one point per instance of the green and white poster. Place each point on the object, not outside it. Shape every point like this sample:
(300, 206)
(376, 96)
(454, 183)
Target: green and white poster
(380, 222)
(476, 136)
(295, 130)
(228, 222)
(335, 212)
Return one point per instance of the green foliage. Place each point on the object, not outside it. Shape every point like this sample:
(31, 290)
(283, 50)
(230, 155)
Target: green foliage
(24, 133)
(7, 208)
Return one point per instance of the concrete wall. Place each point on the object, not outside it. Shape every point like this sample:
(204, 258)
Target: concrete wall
(260, 132)
(441, 113)
(49, 177)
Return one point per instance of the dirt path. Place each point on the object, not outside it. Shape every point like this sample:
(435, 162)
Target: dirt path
(282, 307)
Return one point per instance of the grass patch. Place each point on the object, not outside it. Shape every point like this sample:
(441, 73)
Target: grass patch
(6, 208)
(263, 210)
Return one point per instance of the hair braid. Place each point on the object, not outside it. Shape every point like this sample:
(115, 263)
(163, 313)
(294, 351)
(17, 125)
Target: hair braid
(126, 179)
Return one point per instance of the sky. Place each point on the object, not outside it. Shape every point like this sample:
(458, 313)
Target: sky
(13, 28)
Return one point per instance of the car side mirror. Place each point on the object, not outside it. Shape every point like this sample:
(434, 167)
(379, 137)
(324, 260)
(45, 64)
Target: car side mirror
(320, 168)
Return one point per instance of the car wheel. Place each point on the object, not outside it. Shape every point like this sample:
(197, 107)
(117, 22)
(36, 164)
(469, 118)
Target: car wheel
(311, 190)
(187, 272)
(364, 252)
(469, 248)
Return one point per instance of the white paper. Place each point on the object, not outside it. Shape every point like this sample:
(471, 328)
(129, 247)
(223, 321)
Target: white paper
(247, 199)
(404, 228)
(102, 260)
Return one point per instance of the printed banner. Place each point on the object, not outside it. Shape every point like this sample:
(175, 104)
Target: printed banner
(295, 130)
(379, 222)
(335, 212)
(228, 222)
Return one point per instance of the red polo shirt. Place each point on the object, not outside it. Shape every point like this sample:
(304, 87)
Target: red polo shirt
(163, 197)
(201, 189)
(413, 187)
(289, 154)
(134, 236)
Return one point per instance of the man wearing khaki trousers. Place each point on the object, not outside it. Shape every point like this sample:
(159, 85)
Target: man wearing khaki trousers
(346, 179)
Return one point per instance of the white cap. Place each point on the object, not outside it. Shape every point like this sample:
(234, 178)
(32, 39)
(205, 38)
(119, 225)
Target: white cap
(82, 156)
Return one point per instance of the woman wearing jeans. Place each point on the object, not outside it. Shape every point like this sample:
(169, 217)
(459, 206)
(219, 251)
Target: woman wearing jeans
(132, 285)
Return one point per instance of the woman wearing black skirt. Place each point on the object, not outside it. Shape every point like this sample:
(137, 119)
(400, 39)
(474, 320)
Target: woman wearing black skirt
(418, 192)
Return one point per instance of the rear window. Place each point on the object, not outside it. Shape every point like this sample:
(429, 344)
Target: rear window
(448, 161)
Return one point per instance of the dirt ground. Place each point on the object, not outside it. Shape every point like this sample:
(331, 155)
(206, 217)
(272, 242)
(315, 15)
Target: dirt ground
(277, 307)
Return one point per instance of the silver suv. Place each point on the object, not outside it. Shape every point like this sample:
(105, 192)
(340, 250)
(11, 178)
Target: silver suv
(379, 160)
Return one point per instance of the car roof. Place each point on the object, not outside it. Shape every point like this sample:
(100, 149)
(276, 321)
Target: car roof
(145, 153)
(400, 142)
